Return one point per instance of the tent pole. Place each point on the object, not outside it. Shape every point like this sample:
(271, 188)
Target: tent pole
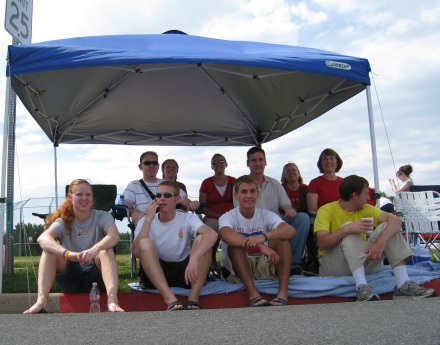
(56, 175)
(373, 141)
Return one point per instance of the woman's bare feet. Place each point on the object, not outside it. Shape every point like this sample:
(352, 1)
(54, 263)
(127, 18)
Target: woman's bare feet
(37, 308)
(113, 307)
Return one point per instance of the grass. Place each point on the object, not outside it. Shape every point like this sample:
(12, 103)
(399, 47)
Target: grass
(24, 278)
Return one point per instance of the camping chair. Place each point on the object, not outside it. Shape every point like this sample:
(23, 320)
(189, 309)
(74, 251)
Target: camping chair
(310, 257)
(421, 215)
(120, 212)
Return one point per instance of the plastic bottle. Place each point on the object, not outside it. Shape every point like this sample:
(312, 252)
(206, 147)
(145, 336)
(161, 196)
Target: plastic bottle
(94, 299)
(121, 200)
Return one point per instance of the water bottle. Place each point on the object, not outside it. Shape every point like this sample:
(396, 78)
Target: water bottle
(121, 200)
(94, 299)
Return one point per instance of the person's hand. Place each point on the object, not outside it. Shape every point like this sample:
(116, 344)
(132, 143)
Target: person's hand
(253, 241)
(391, 181)
(270, 255)
(151, 209)
(291, 213)
(191, 274)
(89, 254)
(375, 251)
(361, 226)
(193, 206)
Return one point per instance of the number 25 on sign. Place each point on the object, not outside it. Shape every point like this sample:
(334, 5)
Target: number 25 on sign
(18, 19)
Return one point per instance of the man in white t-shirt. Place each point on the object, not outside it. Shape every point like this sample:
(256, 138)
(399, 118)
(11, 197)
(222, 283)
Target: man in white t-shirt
(258, 244)
(163, 244)
(137, 196)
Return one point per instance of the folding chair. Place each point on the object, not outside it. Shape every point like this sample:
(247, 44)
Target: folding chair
(120, 212)
(310, 257)
(421, 215)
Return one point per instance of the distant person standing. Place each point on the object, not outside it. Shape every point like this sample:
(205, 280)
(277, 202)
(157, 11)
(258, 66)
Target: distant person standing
(403, 175)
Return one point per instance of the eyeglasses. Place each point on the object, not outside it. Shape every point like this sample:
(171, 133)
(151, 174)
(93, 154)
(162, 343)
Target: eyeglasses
(165, 195)
(220, 161)
(147, 163)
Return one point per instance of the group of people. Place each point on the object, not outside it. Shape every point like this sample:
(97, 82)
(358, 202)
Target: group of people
(263, 225)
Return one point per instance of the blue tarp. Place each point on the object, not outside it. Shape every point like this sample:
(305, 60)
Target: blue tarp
(382, 282)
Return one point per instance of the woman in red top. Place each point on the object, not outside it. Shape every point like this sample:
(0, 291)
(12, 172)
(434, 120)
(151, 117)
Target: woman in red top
(215, 197)
(292, 182)
(325, 188)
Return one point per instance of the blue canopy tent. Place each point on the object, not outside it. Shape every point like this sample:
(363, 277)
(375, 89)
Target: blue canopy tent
(177, 89)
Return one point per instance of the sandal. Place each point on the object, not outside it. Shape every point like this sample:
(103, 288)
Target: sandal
(176, 305)
(254, 302)
(280, 302)
(191, 305)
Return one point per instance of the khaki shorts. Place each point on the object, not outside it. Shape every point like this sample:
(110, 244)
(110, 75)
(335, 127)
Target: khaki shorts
(260, 269)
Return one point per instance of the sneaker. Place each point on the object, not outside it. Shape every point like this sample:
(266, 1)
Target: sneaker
(364, 293)
(411, 290)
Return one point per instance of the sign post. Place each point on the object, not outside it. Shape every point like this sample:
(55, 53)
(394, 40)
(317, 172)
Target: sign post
(18, 19)
(18, 22)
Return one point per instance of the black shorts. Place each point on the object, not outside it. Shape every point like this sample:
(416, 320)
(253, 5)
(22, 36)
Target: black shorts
(78, 278)
(174, 274)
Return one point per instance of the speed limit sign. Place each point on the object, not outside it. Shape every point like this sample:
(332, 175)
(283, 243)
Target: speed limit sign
(18, 19)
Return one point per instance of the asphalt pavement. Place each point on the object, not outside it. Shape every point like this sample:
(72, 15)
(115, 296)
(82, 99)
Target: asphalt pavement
(383, 322)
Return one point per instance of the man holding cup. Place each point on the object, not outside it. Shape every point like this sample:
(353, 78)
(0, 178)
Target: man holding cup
(341, 228)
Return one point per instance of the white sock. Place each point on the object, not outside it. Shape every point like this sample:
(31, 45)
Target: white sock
(359, 276)
(401, 275)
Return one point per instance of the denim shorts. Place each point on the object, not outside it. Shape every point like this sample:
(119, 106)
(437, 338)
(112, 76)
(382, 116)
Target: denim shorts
(79, 278)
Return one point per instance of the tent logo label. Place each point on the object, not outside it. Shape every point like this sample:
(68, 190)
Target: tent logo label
(340, 65)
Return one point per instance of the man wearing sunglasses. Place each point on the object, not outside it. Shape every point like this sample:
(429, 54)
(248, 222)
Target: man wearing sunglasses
(139, 193)
(163, 244)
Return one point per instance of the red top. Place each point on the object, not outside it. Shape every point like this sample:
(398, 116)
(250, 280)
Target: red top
(327, 190)
(294, 197)
(372, 201)
(217, 202)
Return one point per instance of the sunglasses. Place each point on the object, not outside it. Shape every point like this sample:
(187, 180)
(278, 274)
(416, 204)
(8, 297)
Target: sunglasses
(147, 163)
(165, 195)
(220, 161)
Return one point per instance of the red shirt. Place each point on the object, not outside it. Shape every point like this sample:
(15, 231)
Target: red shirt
(217, 202)
(327, 190)
(294, 196)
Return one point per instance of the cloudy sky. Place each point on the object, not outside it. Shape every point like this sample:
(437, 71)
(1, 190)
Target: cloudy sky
(399, 38)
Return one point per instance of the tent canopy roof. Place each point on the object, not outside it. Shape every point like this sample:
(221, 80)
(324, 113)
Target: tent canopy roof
(178, 89)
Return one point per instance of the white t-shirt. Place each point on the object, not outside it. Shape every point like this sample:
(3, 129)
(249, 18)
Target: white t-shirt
(263, 221)
(173, 239)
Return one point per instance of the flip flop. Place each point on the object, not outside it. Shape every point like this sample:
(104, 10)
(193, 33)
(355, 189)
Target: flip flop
(281, 301)
(176, 305)
(191, 305)
(255, 300)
